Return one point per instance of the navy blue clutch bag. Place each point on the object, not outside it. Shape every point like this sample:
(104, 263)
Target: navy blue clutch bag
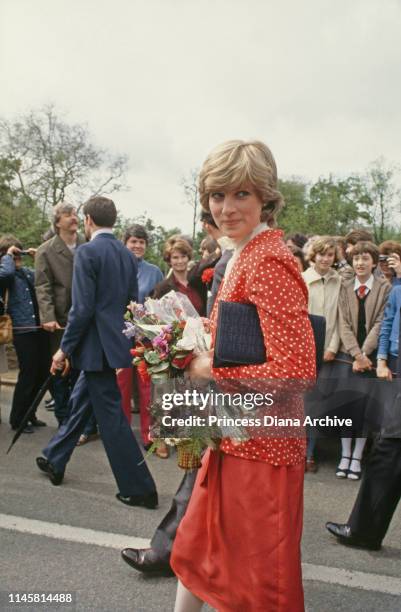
(239, 339)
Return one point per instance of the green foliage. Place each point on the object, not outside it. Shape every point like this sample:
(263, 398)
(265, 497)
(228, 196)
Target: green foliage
(200, 235)
(19, 214)
(44, 159)
(336, 205)
(383, 198)
(293, 216)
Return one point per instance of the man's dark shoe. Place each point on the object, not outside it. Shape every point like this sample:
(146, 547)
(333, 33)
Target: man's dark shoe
(147, 501)
(28, 429)
(147, 561)
(45, 466)
(35, 422)
(345, 536)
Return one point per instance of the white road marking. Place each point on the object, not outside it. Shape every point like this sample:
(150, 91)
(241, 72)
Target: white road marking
(350, 578)
(70, 534)
(378, 583)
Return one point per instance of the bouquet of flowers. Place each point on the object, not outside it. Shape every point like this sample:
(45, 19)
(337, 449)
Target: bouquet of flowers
(168, 334)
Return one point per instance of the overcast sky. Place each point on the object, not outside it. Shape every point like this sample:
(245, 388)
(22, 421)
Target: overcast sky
(166, 80)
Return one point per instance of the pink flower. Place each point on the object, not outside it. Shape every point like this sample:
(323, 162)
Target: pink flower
(161, 344)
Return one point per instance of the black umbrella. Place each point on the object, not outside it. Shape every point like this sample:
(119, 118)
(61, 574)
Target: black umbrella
(39, 396)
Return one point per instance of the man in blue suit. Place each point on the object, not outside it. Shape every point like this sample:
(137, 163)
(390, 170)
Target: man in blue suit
(104, 282)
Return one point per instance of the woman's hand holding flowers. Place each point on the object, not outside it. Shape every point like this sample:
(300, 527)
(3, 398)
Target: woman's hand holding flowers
(200, 368)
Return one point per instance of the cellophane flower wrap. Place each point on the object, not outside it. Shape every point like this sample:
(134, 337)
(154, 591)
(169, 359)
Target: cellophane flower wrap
(168, 333)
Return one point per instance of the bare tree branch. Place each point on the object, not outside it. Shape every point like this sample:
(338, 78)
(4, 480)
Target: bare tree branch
(191, 192)
(57, 159)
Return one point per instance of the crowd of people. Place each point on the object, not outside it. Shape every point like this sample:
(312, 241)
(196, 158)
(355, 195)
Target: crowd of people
(349, 281)
(36, 292)
(67, 300)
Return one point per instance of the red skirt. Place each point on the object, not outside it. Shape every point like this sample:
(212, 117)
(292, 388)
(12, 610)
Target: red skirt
(238, 545)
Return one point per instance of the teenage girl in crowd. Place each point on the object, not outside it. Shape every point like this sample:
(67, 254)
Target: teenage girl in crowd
(323, 284)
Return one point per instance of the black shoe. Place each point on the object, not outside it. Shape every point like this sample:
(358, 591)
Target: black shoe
(35, 422)
(148, 501)
(56, 478)
(28, 429)
(345, 536)
(147, 561)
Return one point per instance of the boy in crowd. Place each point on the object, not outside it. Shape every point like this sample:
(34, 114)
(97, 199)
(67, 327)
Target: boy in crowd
(361, 307)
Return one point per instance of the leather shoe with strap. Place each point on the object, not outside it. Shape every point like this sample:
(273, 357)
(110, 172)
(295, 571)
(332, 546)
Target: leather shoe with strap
(56, 478)
(147, 561)
(345, 536)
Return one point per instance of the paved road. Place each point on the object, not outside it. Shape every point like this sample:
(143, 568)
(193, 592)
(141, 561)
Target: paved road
(68, 538)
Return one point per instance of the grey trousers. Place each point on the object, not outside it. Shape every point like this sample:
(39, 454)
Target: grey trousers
(163, 538)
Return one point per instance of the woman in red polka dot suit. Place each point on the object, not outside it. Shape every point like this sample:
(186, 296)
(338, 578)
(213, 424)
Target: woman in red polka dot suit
(238, 545)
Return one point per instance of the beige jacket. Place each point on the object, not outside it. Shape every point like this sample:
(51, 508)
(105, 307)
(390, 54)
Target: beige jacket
(348, 314)
(53, 279)
(323, 301)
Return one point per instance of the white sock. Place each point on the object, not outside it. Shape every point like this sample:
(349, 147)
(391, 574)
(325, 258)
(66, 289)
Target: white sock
(185, 601)
(358, 448)
(345, 452)
(357, 454)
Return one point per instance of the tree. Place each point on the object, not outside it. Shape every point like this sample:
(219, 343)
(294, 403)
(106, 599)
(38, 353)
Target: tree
(293, 216)
(190, 186)
(336, 205)
(19, 214)
(382, 198)
(57, 159)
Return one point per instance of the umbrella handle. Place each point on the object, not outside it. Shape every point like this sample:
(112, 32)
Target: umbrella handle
(67, 368)
(63, 373)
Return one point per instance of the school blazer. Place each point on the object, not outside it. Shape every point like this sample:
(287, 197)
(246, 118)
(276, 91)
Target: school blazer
(348, 316)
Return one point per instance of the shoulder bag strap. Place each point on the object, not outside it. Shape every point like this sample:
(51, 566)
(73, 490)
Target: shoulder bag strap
(5, 301)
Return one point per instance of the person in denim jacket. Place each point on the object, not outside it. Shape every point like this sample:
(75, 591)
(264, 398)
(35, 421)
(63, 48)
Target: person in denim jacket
(388, 348)
(30, 341)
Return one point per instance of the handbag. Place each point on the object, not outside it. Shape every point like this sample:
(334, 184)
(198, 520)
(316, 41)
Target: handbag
(239, 338)
(6, 324)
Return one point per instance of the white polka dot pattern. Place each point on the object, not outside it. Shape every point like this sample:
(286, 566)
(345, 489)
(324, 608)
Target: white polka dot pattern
(266, 275)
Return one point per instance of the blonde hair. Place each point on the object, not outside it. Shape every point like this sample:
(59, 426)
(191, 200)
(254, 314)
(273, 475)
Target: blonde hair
(236, 163)
(307, 248)
(321, 245)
